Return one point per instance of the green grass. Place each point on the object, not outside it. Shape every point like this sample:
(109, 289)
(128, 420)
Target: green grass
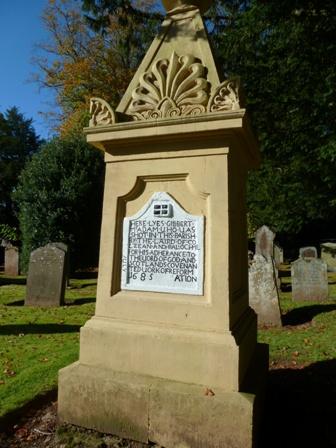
(308, 334)
(36, 342)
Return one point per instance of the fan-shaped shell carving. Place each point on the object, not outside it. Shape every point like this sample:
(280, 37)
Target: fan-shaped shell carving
(102, 113)
(226, 96)
(172, 88)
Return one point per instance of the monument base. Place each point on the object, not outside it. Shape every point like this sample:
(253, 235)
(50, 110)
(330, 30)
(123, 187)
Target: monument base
(169, 413)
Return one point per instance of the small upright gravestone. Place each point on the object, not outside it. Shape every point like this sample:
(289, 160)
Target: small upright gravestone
(11, 261)
(263, 293)
(308, 252)
(46, 277)
(328, 255)
(309, 280)
(278, 256)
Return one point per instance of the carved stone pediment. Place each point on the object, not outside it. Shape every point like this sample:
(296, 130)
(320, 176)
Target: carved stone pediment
(101, 112)
(171, 88)
(226, 97)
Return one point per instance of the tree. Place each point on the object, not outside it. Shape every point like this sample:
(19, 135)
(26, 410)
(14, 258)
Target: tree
(284, 51)
(79, 63)
(59, 198)
(18, 142)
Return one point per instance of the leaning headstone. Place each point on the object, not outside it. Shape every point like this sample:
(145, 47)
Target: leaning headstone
(64, 247)
(308, 252)
(263, 291)
(11, 261)
(328, 255)
(46, 277)
(309, 280)
(264, 242)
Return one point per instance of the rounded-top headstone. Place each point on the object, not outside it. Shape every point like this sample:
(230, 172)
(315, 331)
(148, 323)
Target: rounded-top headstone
(202, 5)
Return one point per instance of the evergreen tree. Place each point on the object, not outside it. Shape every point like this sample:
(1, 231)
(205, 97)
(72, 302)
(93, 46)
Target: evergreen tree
(18, 142)
(59, 198)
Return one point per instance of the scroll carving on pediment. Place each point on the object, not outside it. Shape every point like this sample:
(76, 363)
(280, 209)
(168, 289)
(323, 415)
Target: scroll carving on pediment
(101, 112)
(227, 96)
(171, 88)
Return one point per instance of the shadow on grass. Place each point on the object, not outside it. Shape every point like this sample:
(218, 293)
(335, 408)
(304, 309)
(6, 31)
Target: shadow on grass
(305, 314)
(68, 302)
(38, 329)
(12, 281)
(7, 421)
(300, 408)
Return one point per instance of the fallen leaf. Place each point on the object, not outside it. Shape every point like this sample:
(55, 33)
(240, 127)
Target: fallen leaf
(208, 392)
(296, 353)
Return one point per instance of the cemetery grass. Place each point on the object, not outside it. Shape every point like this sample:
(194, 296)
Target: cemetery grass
(300, 404)
(36, 342)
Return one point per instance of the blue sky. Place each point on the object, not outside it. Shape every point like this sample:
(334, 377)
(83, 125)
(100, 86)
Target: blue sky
(21, 28)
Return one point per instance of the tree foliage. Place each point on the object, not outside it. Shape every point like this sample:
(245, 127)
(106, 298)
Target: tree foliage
(18, 142)
(284, 50)
(79, 63)
(60, 199)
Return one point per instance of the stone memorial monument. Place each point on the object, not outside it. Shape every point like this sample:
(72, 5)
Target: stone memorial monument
(171, 355)
(328, 255)
(12, 261)
(46, 277)
(309, 280)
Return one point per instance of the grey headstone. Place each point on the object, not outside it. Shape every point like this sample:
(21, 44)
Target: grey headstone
(328, 255)
(46, 277)
(309, 280)
(278, 256)
(264, 242)
(11, 261)
(263, 292)
(64, 247)
(308, 252)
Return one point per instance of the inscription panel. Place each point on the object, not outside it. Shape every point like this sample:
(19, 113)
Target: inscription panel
(163, 249)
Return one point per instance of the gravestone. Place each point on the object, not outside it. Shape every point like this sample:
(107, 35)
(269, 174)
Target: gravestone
(308, 252)
(328, 255)
(263, 291)
(46, 277)
(172, 313)
(278, 256)
(65, 248)
(264, 242)
(309, 280)
(11, 261)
